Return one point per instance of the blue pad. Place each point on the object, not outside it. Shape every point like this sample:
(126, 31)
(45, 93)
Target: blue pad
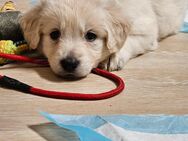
(124, 127)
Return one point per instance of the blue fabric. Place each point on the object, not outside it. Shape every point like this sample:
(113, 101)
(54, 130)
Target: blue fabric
(34, 2)
(184, 29)
(84, 126)
(159, 124)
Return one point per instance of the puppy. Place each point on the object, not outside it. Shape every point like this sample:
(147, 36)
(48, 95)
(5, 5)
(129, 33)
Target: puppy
(79, 35)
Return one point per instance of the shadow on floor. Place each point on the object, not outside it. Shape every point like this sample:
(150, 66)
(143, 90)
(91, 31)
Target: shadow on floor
(51, 132)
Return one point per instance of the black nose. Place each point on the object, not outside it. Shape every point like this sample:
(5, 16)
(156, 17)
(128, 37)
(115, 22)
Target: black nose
(69, 64)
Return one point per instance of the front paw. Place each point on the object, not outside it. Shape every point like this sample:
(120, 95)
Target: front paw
(114, 63)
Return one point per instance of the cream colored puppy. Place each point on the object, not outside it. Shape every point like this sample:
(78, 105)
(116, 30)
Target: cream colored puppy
(79, 35)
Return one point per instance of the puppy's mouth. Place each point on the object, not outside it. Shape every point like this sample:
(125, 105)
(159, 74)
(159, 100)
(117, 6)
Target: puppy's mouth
(71, 77)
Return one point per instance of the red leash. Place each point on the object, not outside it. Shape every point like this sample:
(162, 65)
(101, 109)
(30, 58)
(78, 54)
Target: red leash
(11, 83)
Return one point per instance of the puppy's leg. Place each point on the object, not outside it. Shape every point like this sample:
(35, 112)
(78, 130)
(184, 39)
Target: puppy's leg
(134, 46)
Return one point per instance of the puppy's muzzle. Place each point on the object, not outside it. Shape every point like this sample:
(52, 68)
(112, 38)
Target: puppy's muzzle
(69, 64)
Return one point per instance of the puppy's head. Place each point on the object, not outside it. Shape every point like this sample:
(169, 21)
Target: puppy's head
(75, 35)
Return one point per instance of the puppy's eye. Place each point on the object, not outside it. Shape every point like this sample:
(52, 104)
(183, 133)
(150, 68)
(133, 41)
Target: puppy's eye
(90, 36)
(55, 34)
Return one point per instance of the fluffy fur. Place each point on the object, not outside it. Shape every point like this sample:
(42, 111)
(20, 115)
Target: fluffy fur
(124, 29)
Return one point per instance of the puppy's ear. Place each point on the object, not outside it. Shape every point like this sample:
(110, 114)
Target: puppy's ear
(31, 24)
(117, 26)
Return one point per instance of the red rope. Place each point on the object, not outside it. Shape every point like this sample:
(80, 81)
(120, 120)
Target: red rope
(67, 95)
(23, 59)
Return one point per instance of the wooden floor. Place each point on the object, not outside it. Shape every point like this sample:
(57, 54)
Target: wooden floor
(156, 83)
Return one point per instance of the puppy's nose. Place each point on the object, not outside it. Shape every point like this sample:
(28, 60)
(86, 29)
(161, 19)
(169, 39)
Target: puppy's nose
(69, 64)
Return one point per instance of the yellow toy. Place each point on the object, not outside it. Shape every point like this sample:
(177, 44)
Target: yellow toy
(8, 6)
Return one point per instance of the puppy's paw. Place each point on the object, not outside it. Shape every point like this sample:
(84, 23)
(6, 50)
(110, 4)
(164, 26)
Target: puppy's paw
(104, 65)
(114, 63)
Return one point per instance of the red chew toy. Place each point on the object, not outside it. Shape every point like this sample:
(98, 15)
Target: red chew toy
(19, 86)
